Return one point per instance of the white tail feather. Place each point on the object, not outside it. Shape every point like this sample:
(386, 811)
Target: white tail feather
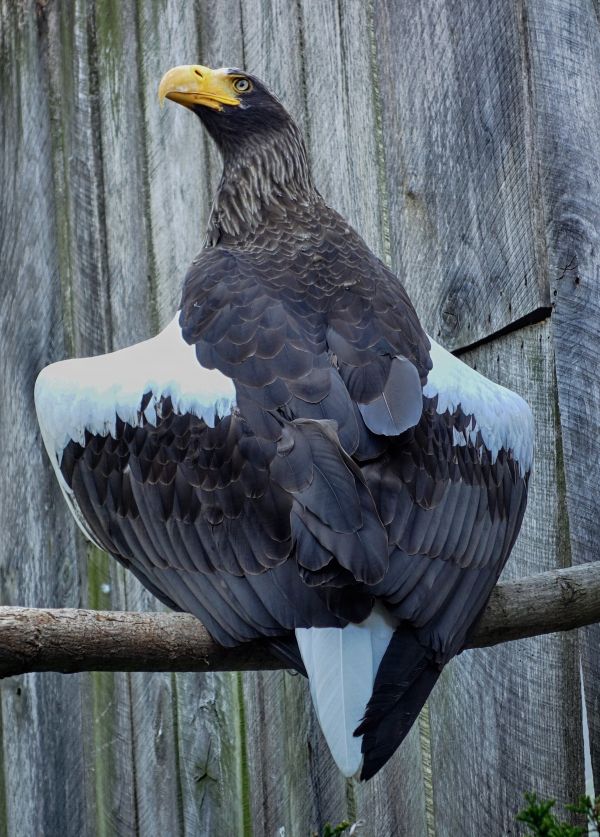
(341, 664)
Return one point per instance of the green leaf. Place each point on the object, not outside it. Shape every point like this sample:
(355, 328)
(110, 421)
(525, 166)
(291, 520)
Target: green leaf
(334, 830)
(538, 816)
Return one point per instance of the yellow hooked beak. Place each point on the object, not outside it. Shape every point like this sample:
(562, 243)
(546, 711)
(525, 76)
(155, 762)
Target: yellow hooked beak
(193, 84)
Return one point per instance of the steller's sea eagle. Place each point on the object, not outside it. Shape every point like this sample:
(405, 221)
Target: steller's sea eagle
(293, 457)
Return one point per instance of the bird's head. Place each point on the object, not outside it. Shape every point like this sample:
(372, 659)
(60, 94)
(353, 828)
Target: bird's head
(265, 169)
(236, 107)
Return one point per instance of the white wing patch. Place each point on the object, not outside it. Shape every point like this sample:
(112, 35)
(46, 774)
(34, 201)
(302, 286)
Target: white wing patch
(341, 664)
(73, 396)
(502, 417)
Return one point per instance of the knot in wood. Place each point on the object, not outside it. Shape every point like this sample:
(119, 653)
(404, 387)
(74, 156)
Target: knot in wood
(569, 591)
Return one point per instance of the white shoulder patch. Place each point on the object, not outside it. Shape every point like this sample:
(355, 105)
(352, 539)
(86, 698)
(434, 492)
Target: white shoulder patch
(73, 396)
(502, 417)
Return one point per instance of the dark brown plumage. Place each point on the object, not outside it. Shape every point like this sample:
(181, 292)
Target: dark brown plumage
(336, 482)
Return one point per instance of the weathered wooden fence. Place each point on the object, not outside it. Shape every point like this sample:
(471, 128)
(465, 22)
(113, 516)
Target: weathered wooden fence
(462, 139)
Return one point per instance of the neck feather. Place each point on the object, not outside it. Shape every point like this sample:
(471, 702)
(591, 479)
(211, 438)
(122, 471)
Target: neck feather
(266, 178)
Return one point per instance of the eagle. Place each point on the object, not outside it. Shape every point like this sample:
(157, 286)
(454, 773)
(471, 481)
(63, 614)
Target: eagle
(292, 458)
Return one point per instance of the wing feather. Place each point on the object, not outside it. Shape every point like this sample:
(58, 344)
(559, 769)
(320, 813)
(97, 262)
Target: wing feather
(278, 459)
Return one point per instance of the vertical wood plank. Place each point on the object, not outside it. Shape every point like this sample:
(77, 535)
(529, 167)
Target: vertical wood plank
(295, 782)
(213, 764)
(460, 167)
(216, 784)
(120, 144)
(199, 751)
(508, 719)
(564, 49)
(175, 163)
(109, 735)
(37, 563)
(342, 132)
(272, 49)
(78, 177)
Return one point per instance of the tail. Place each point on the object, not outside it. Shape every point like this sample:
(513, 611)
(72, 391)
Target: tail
(406, 676)
(342, 664)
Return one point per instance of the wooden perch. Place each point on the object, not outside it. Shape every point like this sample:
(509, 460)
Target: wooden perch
(69, 640)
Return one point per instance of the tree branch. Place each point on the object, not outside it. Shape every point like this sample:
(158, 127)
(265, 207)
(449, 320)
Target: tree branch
(69, 640)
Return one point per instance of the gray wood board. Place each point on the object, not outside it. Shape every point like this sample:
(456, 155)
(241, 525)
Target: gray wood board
(455, 109)
(564, 46)
(342, 135)
(507, 720)
(35, 557)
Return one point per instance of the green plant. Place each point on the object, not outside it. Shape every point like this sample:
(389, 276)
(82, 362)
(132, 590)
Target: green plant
(335, 830)
(539, 818)
(590, 810)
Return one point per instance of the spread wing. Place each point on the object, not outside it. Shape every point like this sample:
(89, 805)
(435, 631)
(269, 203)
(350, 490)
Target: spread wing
(164, 473)
(452, 493)
(222, 525)
(278, 459)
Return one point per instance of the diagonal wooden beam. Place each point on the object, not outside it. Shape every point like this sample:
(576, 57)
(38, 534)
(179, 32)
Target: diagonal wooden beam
(69, 640)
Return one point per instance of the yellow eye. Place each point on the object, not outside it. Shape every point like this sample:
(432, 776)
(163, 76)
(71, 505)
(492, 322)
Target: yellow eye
(242, 85)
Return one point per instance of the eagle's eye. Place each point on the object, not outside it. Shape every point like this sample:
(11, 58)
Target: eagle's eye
(242, 85)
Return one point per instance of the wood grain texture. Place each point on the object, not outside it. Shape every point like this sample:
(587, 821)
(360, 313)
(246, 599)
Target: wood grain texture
(460, 170)
(341, 130)
(509, 719)
(221, 44)
(178, 196)
(30, 295)
(272, 49)
(563, 41)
